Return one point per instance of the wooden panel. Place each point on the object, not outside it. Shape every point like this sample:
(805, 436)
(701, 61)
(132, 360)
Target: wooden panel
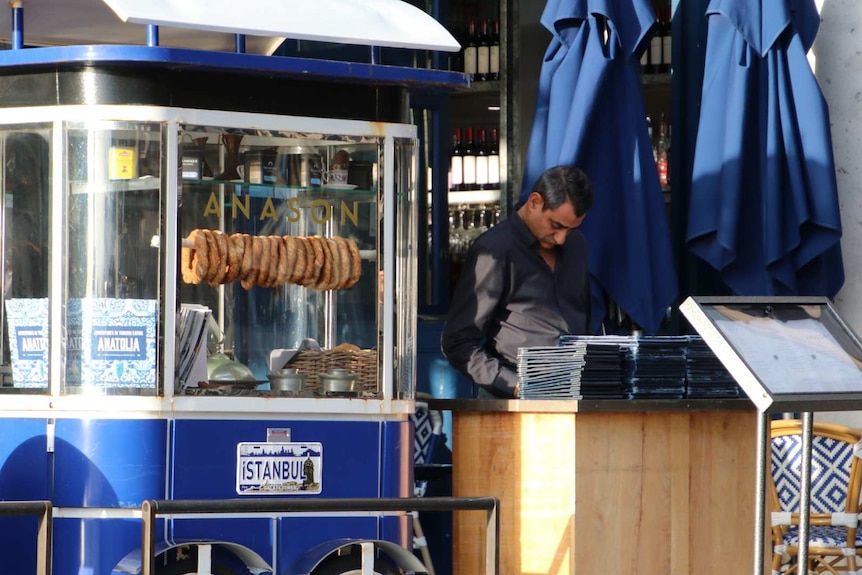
(667, 493)
(527, 462)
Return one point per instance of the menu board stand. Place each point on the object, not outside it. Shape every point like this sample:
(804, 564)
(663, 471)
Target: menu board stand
(778, 349)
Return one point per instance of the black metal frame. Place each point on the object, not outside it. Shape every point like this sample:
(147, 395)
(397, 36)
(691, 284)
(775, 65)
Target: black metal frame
(44, 511)
(152, 508)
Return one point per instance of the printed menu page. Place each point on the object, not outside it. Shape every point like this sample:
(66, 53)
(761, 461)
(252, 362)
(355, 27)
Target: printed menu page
(791, 356)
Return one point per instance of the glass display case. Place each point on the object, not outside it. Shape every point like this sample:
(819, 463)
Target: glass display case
(208, 253)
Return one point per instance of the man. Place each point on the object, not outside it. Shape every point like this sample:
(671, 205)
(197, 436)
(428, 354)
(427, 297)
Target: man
(525, 283)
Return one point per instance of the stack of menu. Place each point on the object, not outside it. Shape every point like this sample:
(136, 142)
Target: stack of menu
(658, 367)
(192, 328)
(604, 375)
(706, 376)
(550, 372)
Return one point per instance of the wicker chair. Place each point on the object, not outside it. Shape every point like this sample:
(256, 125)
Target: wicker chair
(834, 542)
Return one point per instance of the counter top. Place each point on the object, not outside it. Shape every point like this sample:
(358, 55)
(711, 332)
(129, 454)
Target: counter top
(590, 405)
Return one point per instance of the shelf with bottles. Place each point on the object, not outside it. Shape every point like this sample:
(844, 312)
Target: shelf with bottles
(479, 34)
(474, 160)
(656, 61)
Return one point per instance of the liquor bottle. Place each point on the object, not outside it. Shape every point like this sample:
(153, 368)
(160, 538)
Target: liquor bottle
(456, 163)
(494, 161)
(482, 161)
(662, 145)
(666, 42)
(494, 66)
(470, 161)
(471, 52)
(483, 53)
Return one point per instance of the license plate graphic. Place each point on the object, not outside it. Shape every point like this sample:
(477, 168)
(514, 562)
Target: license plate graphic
(279, 468)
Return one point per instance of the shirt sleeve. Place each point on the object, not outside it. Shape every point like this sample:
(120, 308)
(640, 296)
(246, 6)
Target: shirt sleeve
(474, 302)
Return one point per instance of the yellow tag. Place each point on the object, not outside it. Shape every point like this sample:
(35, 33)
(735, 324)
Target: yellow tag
(122, 165)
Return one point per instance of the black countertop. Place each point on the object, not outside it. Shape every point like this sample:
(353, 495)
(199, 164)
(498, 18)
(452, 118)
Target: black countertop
(590, 405)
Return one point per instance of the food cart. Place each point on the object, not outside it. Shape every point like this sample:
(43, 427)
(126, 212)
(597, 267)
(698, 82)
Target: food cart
(201, 251)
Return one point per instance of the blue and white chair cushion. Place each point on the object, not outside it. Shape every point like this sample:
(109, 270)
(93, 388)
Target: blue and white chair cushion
(831, 462)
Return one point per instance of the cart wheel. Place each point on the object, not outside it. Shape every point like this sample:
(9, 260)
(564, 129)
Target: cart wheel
(352, 565)
(190, 567)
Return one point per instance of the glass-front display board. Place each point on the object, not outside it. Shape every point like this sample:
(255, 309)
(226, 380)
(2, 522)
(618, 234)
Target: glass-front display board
(790, 354)
(263, 250)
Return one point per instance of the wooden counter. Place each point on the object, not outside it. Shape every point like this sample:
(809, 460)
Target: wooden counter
(610, 487)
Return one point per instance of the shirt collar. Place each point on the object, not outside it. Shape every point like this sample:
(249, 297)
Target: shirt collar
(522, 232)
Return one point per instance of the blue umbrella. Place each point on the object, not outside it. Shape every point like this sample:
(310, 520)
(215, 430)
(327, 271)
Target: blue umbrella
(764, 201)
(590, 112)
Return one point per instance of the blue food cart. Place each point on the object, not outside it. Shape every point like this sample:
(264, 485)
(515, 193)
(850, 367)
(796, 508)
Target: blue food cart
(208, 262)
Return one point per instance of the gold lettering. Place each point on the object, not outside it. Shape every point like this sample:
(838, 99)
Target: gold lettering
(212, 208)
(346, 213)
(327, 211)
(294, 215)
(243, 207)
(269, 210)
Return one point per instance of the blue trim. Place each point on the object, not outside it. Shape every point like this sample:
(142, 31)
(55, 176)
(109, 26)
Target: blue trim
(255, 64)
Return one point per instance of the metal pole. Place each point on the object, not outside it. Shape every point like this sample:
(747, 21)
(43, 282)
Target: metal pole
(764, 458)
(240, 43)
(17, 24)
(805, 496)
(152, 35)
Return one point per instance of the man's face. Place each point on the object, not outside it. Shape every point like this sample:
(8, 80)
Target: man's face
(550, 227)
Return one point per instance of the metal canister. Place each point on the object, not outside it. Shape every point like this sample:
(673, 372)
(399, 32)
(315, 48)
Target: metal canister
(338, 380)
(300, 166)
(286, 379)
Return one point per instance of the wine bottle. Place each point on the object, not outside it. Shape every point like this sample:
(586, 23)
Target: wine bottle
(483, 53)
(482, 161)
(494, 54)
(469, 161)
(494, 161)
(456, 163)
(470, 52)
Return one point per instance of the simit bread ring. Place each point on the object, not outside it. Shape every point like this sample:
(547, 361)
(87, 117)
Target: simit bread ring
(335, 277)
(290, 257)
(200, 260)
(265, 261)
(221, 241)
(246, 265)
(254, 271)
(283, 272)
(299, 266)
(344, 261)
(274, 258)
(212, 256)
(312, 271)
(326, 269)
(235, 250)
(355, 263)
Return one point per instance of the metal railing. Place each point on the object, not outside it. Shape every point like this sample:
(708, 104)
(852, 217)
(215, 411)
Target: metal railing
(44, 511)
(153, 508)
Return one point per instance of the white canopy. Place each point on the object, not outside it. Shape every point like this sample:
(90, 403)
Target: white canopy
(211, 24)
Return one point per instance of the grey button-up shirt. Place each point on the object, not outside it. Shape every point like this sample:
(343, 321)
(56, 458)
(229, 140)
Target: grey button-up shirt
(508, 297)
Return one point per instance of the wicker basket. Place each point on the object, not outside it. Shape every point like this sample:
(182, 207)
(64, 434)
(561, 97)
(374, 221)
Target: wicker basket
(361, 363)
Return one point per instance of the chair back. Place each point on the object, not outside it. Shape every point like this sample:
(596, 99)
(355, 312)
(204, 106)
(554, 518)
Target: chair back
(833, 465)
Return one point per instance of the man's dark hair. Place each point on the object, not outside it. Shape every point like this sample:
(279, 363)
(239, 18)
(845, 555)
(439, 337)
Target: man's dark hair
(565, 184)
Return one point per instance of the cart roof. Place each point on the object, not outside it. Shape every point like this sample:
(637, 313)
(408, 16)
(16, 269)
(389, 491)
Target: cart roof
(212, 24)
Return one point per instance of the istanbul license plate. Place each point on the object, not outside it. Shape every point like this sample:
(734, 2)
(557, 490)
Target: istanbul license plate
(291, 468)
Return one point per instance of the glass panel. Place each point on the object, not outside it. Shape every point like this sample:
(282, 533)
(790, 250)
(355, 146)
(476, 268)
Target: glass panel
(26, 188)
(114, 219)
(405, 257)
(288, 224)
